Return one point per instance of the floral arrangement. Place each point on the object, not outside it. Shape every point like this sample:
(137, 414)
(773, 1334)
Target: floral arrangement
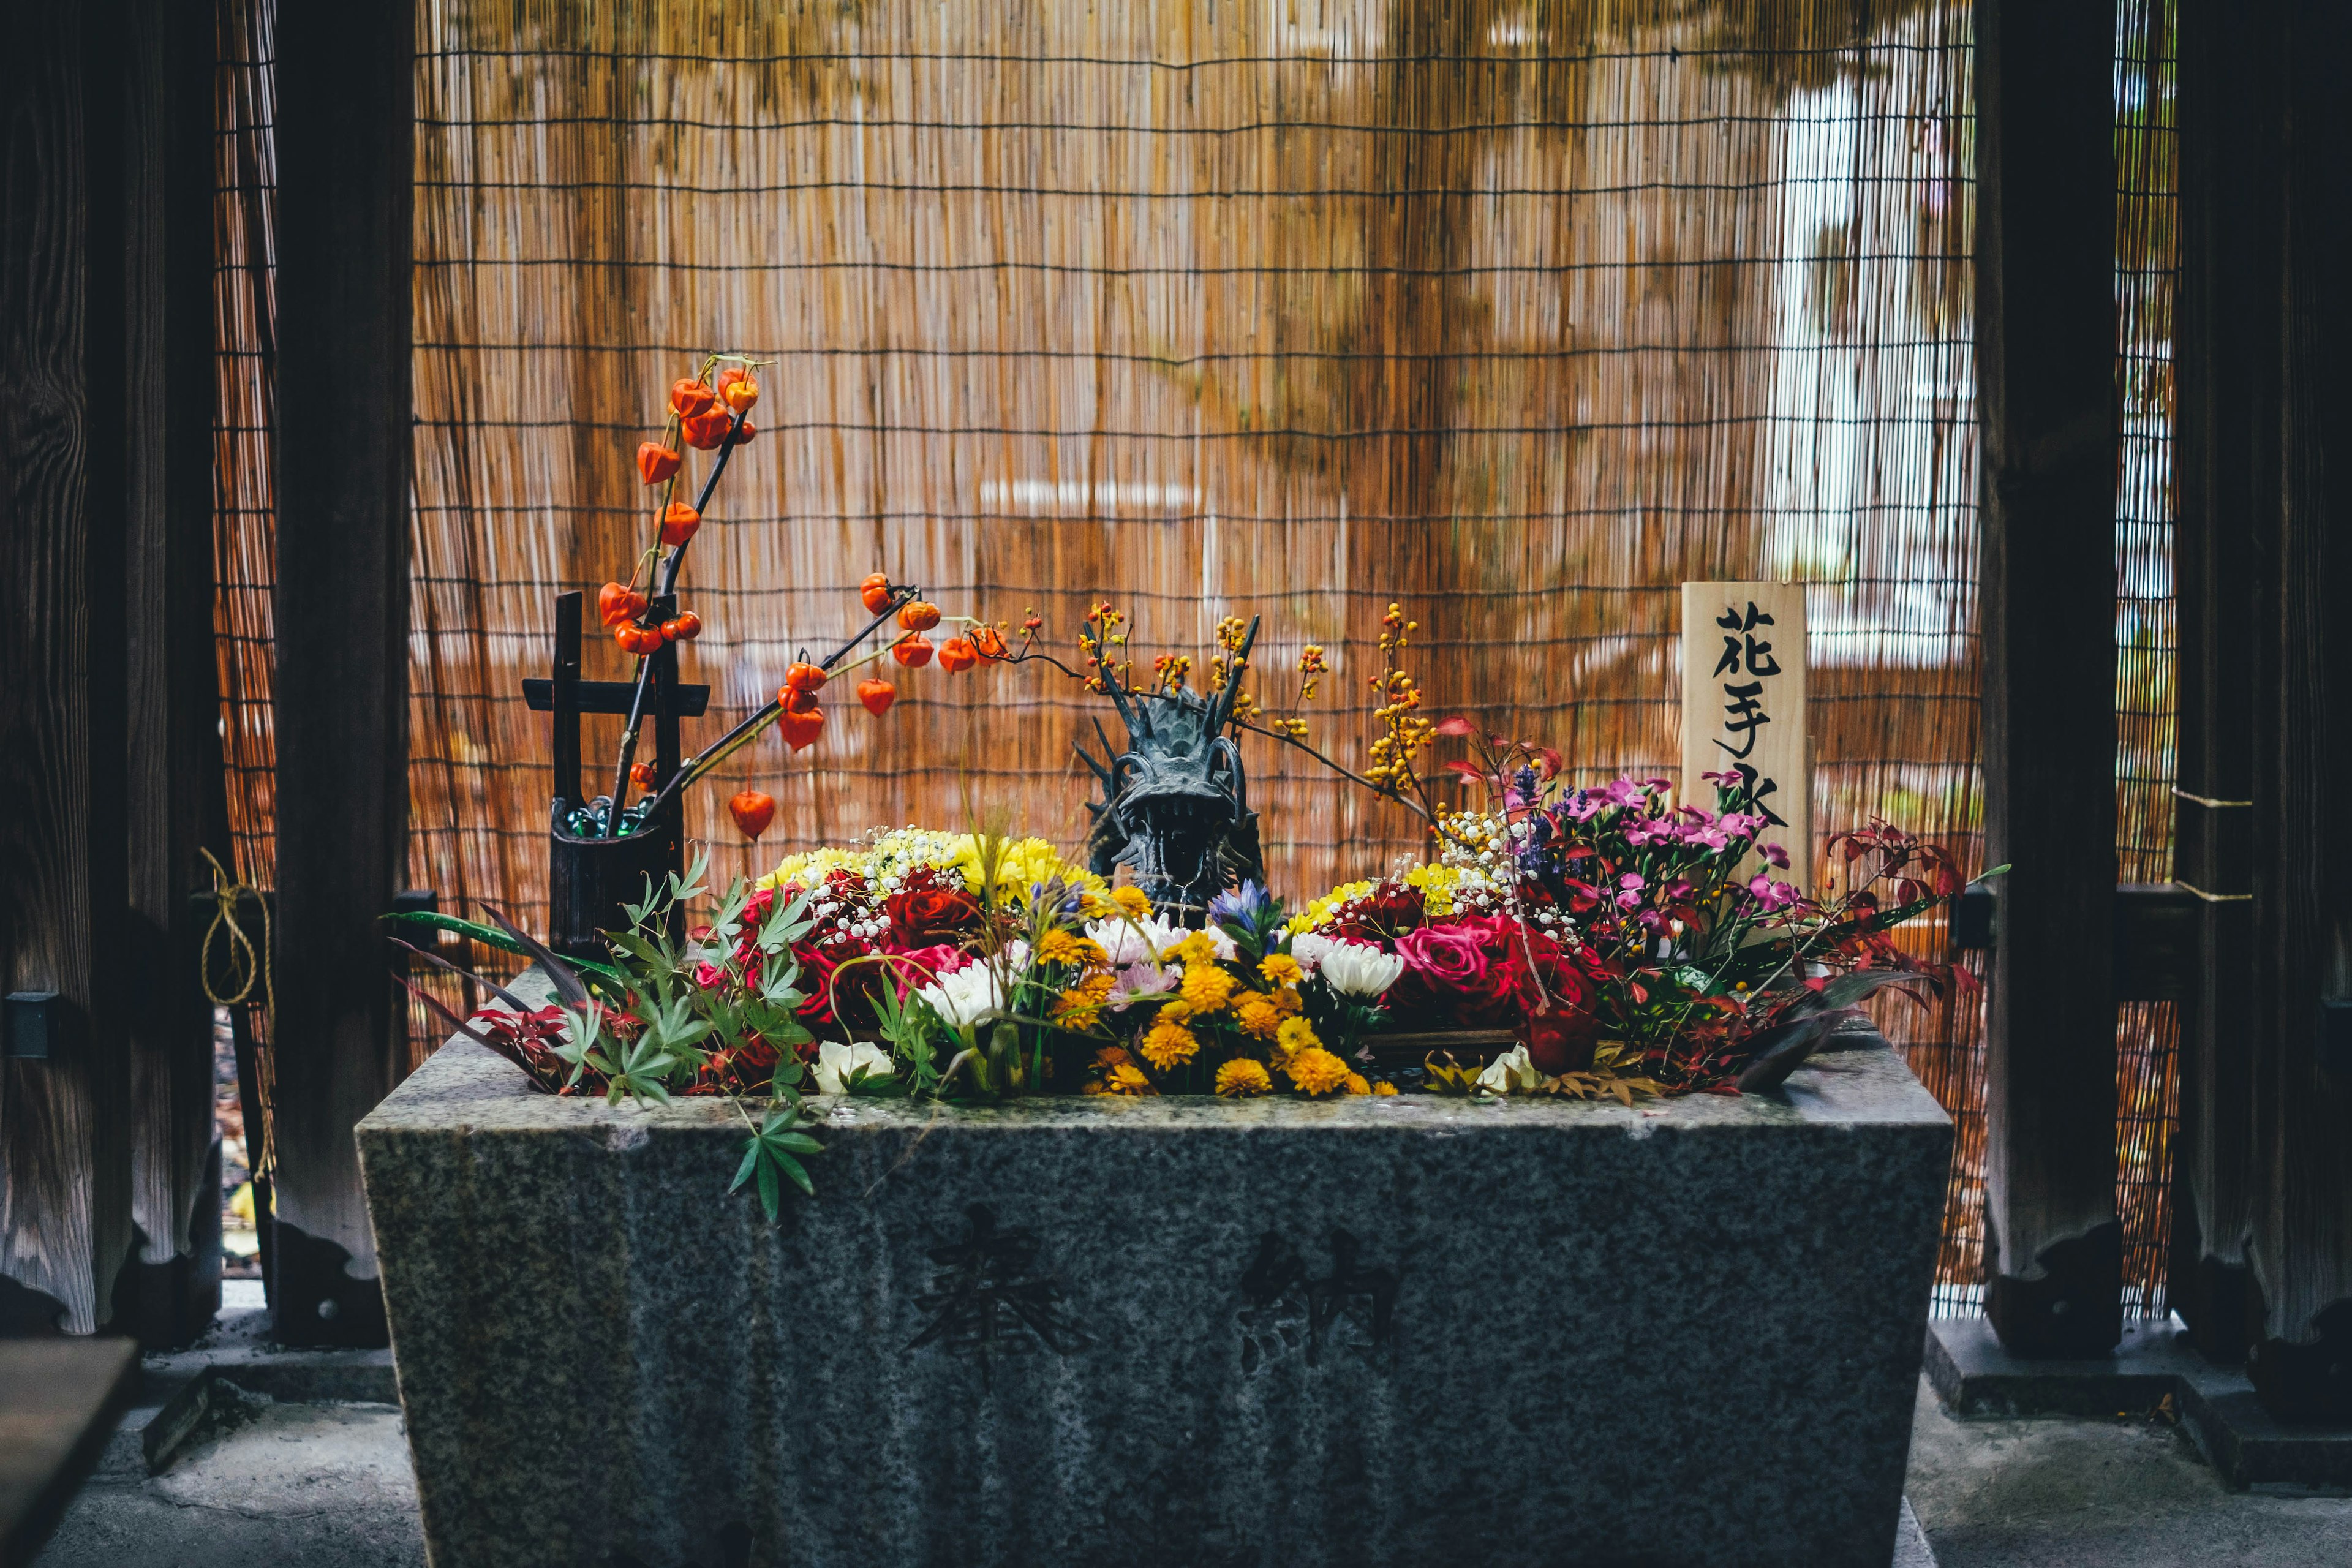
(1625, 944)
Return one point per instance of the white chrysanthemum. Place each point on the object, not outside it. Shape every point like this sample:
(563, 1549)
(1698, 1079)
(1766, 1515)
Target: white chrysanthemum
(835, 1061)
(960, 998)
(1353, 969)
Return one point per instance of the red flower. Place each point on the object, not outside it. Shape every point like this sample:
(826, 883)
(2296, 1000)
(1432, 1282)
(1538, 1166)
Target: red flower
(931, 914)
(1447, 957)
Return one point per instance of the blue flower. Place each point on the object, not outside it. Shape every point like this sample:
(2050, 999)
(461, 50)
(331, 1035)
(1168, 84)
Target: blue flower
(1241, 904)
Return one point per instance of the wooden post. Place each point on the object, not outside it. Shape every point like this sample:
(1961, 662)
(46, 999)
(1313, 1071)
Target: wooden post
(2301, 1361)
(64, 1167)
(2226, 349)
(177, 799)
(345, 128)
(2045, 362)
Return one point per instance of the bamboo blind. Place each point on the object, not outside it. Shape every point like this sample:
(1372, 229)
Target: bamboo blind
(1516, 314)
(2146, 267)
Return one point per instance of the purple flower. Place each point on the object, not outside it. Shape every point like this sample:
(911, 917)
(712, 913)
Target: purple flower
(1777, 856)
(1771, 895)
(1241, 904)
(1630, 886)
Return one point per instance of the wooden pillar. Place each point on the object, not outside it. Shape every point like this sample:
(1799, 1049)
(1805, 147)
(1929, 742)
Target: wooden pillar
(2226, 351)
(2301, 1361)
(176, 795)
(345, 128)
(65, 1193)
(2045, 404)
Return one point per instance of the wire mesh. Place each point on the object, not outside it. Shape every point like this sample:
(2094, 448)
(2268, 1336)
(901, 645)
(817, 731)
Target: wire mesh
(1518, 315)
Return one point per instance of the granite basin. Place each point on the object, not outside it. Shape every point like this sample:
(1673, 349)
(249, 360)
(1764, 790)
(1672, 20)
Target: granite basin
(1397, 1330)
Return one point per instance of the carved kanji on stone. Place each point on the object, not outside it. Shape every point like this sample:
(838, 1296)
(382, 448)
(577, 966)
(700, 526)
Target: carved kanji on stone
(987, 1299)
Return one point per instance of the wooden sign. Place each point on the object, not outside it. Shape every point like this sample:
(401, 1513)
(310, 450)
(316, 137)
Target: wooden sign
(1743, 707)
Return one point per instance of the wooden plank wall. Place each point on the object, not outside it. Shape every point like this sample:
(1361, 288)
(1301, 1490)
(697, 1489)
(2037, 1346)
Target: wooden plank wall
(177, 802)
(65, 1215)
(110, 1212)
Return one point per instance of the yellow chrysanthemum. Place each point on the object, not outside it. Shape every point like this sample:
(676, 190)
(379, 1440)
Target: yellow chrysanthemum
(1062, 945)
(1287, 1001)
(1298, 1034)
(1381, 1088)
(1204, 987)
(1244, 1076)
(1080, 1007)
(1119, 1074)
(1316, 1071)
(812, 866)
(1358, 1084)
(1281, 969)
(1318, 911)
(1257, 1015)
(1131, 902)
(1198, 948)
(1167, 1042)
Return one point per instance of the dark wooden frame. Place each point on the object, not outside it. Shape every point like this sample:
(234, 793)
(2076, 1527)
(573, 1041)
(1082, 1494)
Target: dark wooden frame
(2046, 405)
(346, 130)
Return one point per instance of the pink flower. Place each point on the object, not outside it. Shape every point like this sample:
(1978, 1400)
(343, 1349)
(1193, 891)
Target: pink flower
(1771, 895)
(1448, 957)
(939, 959)
(1630, 894)
(709, 976)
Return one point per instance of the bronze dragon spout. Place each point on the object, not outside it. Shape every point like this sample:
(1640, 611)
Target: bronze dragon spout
(1175, 805)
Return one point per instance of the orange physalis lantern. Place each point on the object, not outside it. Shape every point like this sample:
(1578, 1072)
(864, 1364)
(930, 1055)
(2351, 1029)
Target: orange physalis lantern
(878, 695)
(913, 650)
(957, 655)
(656, 461)
(678, 522)
(876, 593)
(689, 398)
(684, 627)
(986, 643)
(704, 432)
(919, 615)
(739, 389)
(616, 603)
(752, 810)
(801, 726)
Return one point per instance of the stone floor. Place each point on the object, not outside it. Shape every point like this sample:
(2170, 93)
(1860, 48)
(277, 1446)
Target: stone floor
(328, 1486)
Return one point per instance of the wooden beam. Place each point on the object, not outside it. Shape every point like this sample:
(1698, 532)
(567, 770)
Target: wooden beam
(607, 697)
(2226, 349)
(2045, 362)
(176, 794)
(65, 1215)
(344, 132)
(2301, 1361)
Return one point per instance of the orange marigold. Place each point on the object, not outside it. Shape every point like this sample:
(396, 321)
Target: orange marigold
(1244, 1076)
(1167, 1042)
(1316, 1071)
(1205, 987)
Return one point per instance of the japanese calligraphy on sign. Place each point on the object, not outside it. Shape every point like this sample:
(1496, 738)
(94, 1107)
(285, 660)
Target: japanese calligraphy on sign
(988, 1297)
(1744, 706)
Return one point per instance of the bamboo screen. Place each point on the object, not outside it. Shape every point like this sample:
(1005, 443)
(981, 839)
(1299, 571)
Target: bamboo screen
(1519, 315)
(2147, 264)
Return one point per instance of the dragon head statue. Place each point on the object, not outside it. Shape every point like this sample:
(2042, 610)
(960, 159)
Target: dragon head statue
(1176, 803)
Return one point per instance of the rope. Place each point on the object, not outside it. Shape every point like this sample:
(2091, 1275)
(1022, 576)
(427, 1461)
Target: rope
(228, 892)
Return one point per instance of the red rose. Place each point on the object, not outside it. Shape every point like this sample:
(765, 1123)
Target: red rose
(928, 916)
(1448, 957)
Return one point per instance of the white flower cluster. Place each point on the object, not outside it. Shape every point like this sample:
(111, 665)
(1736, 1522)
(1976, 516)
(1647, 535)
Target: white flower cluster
(837, 1061)
(962, 997)
(1351, 968)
